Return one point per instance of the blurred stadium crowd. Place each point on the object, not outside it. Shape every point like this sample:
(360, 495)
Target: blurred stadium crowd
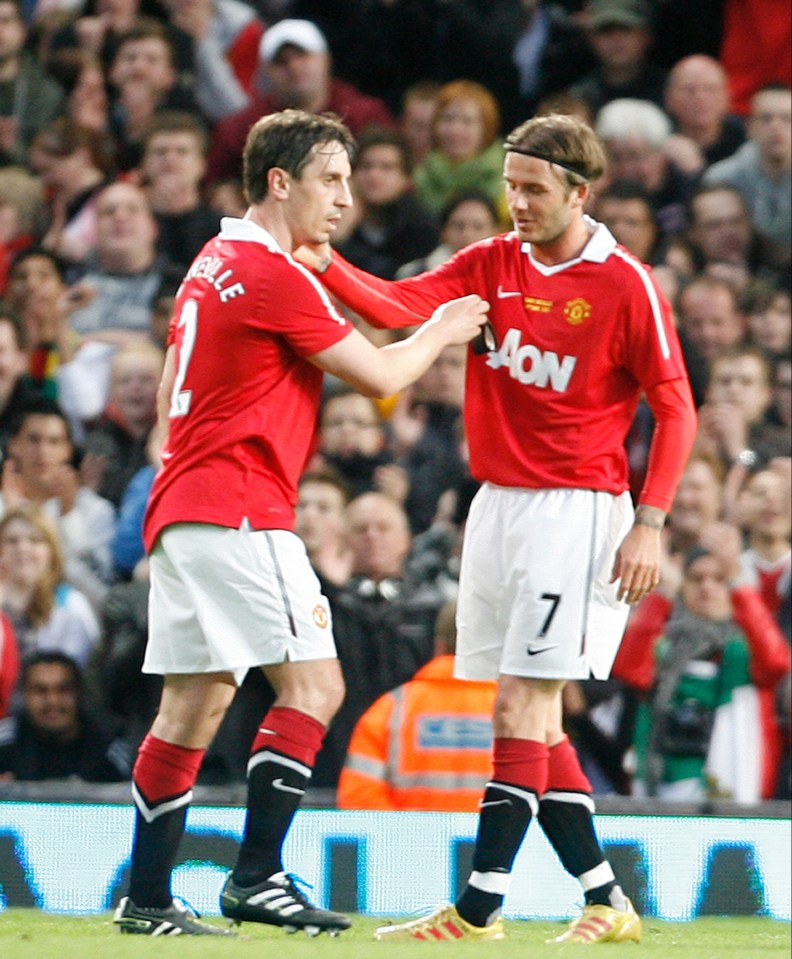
(122, 124)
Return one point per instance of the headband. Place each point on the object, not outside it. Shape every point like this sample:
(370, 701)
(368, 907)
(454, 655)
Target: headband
(575, 168)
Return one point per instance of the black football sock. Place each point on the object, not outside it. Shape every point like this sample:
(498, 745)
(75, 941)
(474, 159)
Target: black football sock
(519, 776)
(276, 787)
(279, 771)
(155, 850)
(505, 815)
(162, 783)
(566, 814)
(569, 826)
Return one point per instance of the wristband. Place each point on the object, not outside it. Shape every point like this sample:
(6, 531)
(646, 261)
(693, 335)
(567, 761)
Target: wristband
(650, 516)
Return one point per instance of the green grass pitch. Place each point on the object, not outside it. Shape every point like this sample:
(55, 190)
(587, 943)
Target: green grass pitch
(30, 934)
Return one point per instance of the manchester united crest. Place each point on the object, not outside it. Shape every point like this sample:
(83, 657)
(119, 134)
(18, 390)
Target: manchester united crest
(577, 311)
(320, 616)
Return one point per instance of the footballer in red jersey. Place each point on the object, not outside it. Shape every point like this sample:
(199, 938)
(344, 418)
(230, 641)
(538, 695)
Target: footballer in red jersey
(231, 585)
(553, 551)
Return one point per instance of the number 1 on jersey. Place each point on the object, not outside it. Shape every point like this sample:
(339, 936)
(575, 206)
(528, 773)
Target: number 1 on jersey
(181, 398)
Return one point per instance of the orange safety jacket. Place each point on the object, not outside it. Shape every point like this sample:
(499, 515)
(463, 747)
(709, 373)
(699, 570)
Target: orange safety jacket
(425, 745)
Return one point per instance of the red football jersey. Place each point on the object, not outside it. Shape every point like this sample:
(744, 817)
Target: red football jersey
(245, 400)
(577, 344)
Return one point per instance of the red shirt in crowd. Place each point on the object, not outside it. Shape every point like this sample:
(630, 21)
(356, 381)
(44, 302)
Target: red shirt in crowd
(356, 109)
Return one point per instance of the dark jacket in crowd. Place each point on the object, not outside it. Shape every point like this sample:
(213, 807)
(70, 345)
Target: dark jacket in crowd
(384, 633)
(32, 756)
(409, 232)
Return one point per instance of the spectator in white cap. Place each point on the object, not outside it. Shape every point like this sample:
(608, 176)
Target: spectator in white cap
(295, 65)
(302, 34)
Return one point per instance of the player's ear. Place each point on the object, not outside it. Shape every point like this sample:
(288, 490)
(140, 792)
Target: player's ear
(278, 181)
(581, 193)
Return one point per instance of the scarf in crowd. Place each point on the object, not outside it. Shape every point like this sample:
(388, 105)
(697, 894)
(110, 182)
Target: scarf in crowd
(687, 638)
(438, 179)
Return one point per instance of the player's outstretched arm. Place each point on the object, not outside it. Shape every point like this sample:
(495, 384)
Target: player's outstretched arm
(383, 371)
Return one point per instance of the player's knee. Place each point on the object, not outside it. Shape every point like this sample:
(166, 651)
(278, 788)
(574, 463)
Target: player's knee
(526, 708)
(321, 699)
(509, 722)
(334, 693)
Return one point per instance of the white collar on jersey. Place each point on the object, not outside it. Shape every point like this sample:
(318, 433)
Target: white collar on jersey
(599, 247)
(235, 228)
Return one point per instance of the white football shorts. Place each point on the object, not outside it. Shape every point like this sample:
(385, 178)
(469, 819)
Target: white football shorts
(534, 597)
(223, 600)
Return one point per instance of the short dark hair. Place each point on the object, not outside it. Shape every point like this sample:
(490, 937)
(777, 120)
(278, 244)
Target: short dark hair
(737, 353)
(773, 86)
(52, 657)
(146, 28)
(38, 252)
(286, 140)
(327, 477)
(707, 189)
(381, 136)
(176, 121)
(760, 294)
(627, 190)
(340, 391)
(469, 196)
(693, 555)
(40, 406)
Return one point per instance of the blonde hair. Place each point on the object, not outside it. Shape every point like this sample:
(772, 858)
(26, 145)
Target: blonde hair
(42, 601)
(486, 102)
(144, 349)
(23, 191)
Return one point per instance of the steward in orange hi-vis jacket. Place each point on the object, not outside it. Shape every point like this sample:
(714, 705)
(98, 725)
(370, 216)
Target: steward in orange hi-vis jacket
(425, 745)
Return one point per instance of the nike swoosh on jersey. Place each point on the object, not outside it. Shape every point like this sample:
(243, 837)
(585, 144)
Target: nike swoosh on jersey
(535, 652)
(504, 294)
(280, 784)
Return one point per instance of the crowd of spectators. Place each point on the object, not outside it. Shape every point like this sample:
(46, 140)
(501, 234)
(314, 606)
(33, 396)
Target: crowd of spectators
(122, 124)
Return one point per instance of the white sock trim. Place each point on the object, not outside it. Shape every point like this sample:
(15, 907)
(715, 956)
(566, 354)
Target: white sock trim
(150, 813)
(525, 794)
(582, 799)
(266, 756)
(597, 876)
(494, 882)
